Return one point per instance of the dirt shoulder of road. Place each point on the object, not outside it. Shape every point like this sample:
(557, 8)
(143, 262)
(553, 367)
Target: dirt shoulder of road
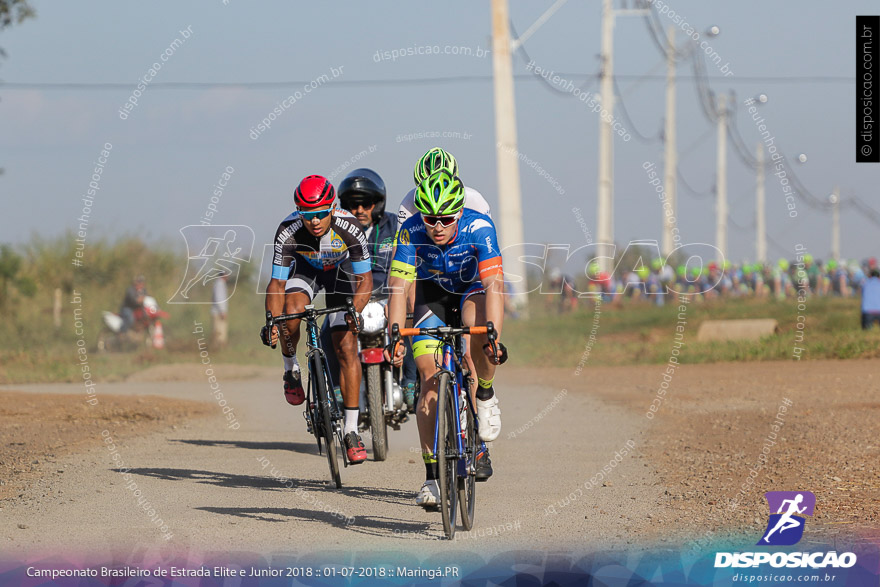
(195, 372)
(713, 444)
(36, 429)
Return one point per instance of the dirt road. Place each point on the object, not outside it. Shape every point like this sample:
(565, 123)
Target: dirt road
(213, 486)
(578, 466)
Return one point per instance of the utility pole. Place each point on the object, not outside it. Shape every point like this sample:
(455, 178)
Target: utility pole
(605, 212)
(671, 154)
(835, 224)
(507, 153)
(760, 222)
(605, 230)
(721, 182)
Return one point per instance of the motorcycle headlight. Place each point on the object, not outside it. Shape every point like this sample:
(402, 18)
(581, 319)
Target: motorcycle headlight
(374, 317)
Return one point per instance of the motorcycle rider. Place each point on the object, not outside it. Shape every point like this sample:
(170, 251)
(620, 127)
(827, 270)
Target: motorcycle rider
(133, 300)
(362, 192)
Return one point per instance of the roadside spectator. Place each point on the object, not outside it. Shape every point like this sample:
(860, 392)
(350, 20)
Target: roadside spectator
(220, 311)
(871, 299)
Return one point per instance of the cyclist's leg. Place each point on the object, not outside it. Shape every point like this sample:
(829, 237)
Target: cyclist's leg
(299, 291)
(345, 346)
(424, 348)
(430, 308)
(426, 412)
(294, 301)
(330, 351)
(488, 413)
(473, 312)
(338, 287)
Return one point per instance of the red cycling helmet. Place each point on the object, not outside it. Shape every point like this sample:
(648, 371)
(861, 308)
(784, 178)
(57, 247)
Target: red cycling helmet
(314, 191)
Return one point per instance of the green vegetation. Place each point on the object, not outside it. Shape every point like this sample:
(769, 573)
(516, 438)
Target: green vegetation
(640, 333)
(32, 350)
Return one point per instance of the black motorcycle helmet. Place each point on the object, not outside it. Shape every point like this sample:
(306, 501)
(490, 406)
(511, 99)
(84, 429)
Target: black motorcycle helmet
(363, 186)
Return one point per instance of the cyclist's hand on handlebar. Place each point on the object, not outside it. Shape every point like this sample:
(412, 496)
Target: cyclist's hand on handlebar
(355, 325)
(394, 353)
(499, 356)
(269, 337)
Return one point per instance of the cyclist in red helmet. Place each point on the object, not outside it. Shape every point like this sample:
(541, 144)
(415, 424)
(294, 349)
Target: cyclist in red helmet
(310, 247)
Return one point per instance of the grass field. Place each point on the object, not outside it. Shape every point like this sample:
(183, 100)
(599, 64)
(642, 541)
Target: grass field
(638, 333)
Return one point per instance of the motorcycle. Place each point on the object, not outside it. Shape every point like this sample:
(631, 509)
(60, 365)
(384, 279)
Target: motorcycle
(380, 393)
(146, 329)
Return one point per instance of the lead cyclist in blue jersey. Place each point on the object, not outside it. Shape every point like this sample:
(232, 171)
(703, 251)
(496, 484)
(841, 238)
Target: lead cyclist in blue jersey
(450, 255)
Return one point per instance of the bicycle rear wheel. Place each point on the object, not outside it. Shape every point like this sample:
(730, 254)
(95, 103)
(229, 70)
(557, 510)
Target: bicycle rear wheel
(376, 407)
(467, 485)
(323, 405)
(446, 454)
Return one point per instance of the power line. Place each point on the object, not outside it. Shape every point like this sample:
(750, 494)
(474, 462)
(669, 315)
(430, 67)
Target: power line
(696, 143)
(700, 194)
(740, 226)
(655, 27)
(644, 138)
(522, 49)
(115, 86)
(785, 251)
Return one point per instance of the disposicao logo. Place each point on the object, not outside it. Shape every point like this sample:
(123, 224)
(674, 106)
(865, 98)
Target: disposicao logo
(785, 527)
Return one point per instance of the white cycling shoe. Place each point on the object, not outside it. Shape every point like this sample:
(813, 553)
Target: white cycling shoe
(489, 418)
(429, 495)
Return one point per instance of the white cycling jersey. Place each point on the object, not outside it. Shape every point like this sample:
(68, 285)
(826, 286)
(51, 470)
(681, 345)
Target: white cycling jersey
(472, 199)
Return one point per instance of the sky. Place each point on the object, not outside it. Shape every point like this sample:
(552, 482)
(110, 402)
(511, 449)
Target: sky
(169, 153)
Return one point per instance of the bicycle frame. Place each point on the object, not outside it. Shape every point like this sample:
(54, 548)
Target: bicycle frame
(313, 347)
(310, 316)
(451, 364)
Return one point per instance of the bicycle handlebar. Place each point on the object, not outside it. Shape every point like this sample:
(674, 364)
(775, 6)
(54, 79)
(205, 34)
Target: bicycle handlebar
(310, 312)
(348, 307)
(443, 330)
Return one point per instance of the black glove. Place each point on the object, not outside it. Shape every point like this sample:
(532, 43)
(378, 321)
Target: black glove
(266, 335)
(502, 348)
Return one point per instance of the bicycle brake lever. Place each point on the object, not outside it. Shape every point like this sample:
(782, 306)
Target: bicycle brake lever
(490, 334)
(270, 324)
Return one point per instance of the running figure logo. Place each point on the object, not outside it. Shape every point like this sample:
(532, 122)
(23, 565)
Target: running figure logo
(212, 251)
(786, 525)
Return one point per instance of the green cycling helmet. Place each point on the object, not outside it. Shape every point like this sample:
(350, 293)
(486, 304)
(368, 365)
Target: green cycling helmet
(657, 264)
(681, 270)
(431, 162)
(783, 264)
(441, 193)
(832, 264)
(643, 272)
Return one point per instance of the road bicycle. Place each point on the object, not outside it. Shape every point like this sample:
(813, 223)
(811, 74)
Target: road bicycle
(455, 431)
(323, 413)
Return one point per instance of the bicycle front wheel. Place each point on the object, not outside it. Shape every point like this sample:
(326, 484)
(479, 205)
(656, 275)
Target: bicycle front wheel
(376, 407)
(447, 450)
(467, 485)
(323, 402)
